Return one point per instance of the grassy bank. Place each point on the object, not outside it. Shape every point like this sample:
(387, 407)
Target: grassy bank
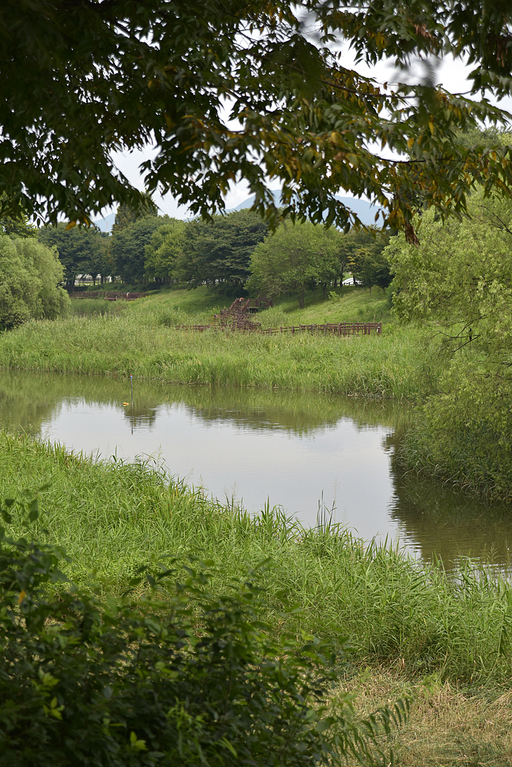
(414, 630)
(113, 518)
(141, 341)
(347, 304)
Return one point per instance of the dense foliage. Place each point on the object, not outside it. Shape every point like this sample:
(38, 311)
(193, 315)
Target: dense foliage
(459, 281)
(258, 91)
(128, 248)
(362, 255)
(82, 251)
(194, 679)
(163, 250)
(219, 252)
(296, 257)
(30, 274)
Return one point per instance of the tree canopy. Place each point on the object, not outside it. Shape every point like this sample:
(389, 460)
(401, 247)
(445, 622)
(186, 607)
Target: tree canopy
(362, 254)
(163, 250)
(461, 274)
(295, 257)
(128, 248)
(255, 90)
(29, 277)
(81, 250)
(219, 252)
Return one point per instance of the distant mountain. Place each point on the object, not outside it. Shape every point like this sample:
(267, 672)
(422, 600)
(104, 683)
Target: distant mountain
(365, 210)
(106, 223)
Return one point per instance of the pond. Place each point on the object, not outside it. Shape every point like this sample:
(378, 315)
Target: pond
(305, 453)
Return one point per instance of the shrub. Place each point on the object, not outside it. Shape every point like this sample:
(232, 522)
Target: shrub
(29, 277)
(195, 679)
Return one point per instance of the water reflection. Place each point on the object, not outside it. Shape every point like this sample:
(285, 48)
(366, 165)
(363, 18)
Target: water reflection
(443, 524)
(290, 449)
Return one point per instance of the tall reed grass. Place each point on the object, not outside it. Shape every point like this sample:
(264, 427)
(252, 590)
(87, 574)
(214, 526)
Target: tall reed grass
(141, 344)
(114, 518)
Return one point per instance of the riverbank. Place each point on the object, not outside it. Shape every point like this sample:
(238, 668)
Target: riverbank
(448, 724)
(413, 630)
(113, 518)
(142, 341)
(460, 437)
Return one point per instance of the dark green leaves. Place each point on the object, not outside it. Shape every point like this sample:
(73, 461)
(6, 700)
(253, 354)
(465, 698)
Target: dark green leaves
(196, 678)
(253, 91)
(219, 252)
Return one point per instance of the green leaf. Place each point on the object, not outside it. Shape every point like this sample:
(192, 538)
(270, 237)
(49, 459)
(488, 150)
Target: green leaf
(33, 510)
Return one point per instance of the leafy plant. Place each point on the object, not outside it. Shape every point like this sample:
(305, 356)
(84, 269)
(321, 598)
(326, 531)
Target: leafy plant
(197, 679)
(29, 277)
(458, 281)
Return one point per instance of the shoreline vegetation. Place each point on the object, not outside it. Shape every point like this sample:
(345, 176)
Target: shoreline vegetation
(140, 339)
(411, 632)
(442, 640)
(112, 518)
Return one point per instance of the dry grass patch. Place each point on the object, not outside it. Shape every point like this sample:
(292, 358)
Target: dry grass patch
(447, 726)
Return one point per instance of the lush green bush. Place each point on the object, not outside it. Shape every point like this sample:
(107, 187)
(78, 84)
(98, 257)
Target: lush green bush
(462, 433)
(196, 679)
(29, 277)
(459, 279)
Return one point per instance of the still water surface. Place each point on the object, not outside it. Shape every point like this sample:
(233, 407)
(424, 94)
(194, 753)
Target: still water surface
(299, 452)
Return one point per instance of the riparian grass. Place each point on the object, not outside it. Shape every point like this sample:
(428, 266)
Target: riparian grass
(141, 343)
(113, 519)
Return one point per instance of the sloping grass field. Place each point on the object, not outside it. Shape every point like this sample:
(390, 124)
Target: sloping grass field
(141, 339)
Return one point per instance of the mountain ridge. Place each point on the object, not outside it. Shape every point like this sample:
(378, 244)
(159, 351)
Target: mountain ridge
(365, 210)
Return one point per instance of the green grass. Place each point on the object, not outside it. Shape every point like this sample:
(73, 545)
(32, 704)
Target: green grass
(141, 340)
(86, 307)
(113, 518)
(348, 304)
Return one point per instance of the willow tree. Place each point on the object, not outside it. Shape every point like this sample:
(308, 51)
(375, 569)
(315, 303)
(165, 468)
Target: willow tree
(30, 274)
(246, 89)
(458, 282)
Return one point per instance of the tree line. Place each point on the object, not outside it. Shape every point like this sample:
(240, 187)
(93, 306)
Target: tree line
(234, 253)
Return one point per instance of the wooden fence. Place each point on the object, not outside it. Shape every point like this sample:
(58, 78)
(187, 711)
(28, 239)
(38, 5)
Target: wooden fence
(337, 329)
(108, 295)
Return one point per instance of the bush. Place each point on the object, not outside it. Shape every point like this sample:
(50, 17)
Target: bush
(462, 433)
(194, 679)
(29, 277)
